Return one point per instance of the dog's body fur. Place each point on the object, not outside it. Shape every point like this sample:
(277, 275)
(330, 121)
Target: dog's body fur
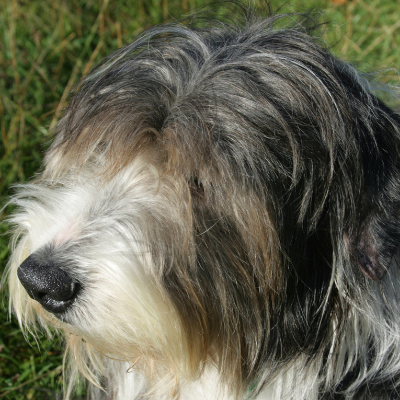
(218, 218)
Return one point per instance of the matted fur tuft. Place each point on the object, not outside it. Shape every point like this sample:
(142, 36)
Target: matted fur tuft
(220, 208)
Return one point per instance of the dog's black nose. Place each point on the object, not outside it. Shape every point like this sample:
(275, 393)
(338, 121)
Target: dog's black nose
(48, 284)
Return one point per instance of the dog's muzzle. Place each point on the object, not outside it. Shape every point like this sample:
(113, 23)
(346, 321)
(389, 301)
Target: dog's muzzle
(48, 284)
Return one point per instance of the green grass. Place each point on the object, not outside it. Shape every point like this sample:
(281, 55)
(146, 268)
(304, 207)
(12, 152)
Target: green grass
(45, 49)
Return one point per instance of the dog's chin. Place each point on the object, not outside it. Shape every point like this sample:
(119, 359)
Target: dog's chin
(62, 317)
(56, 319)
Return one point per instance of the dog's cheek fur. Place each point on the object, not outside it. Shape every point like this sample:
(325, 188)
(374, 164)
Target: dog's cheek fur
(225, 296)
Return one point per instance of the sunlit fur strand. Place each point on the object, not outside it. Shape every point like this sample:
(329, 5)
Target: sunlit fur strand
(226, 197)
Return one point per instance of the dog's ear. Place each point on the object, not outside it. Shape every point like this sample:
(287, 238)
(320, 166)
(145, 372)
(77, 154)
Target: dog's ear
(377, 238)
(378, 241)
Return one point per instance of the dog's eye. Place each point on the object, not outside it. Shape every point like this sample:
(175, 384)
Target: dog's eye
(196, 188)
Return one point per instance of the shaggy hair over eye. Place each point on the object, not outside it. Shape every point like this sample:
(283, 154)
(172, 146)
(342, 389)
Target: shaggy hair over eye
(218, 218)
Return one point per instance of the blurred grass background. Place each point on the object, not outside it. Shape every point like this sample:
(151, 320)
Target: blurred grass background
(45, 49)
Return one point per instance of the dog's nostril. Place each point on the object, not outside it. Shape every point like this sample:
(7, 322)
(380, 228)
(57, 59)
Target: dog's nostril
(48, 284)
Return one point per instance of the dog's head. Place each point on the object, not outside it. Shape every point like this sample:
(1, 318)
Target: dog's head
(224, 196)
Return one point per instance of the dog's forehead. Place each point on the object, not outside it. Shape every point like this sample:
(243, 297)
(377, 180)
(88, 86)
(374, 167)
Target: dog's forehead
(188, 97)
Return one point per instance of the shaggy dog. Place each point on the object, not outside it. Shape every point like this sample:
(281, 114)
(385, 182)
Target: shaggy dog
(218, 218)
